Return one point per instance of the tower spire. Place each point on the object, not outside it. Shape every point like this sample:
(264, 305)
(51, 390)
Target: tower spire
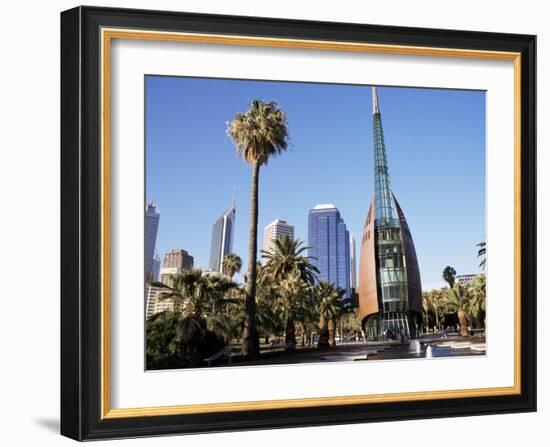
(384, 207)
(234, 201)
(375, 101)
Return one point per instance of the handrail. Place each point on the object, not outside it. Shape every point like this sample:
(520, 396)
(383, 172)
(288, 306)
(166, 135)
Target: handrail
(217, 355)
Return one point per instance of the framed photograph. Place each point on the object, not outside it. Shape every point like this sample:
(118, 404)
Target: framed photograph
(274, 223)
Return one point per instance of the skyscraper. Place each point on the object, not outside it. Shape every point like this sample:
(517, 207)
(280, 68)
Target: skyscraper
(175, 261)
(390, 292)
(156, 268)
(352, 264)
(274, 230)
(328, 239)
(222, 238)
(152, 217)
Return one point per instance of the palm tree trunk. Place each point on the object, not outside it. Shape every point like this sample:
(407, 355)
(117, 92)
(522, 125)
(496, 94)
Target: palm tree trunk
(250, 348)
(290, 335)
(463, 323)
(332, 332)
(323, 334)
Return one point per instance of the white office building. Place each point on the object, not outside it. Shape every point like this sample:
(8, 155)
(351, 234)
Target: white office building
(274, 230)
(465, 280)
(153, 304)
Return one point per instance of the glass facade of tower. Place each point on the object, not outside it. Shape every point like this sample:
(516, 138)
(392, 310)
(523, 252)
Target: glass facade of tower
(384, 208)
(227, 240)
(352, 263)
(328, 241)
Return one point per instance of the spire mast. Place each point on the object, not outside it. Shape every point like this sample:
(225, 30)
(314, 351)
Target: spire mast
(384, 207)
(375, 108)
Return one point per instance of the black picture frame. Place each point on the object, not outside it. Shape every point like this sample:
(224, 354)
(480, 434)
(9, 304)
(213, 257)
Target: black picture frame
(81, 224)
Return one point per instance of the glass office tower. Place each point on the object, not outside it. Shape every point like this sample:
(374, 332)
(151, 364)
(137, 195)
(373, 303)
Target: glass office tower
(389, 283)
(328, 241)
(222, 238)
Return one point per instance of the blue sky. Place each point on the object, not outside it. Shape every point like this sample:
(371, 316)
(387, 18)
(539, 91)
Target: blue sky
(435, 140)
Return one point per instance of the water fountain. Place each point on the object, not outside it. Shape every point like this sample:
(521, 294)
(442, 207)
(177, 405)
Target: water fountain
(429, 352)
(415, 346)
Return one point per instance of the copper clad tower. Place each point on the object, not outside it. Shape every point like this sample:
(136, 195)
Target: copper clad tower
(390, 292)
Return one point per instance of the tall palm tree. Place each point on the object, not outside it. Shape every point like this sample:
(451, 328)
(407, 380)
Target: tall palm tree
(258, 134)
(449, 274)
(329, 299)
(232, 264)
(457, 300)
(482, 253)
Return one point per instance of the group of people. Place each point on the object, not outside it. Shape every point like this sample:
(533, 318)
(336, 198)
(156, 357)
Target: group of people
(395, 334)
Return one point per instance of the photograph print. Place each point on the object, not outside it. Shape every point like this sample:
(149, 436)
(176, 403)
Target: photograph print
(298, 223)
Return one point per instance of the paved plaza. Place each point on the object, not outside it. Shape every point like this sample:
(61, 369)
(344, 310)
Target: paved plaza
(427, 347)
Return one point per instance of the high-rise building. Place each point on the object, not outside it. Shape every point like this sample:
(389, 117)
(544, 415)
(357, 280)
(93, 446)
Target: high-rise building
(328, 241)
(150, 300)
(222, 238)
(352, 263)
(153, 303)
(275, 230)
(156, 268)
(152, 217)
(175, 262)
(390, 291)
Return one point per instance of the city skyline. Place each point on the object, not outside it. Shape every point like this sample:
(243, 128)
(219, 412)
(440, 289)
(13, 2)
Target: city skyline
(185, 221)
